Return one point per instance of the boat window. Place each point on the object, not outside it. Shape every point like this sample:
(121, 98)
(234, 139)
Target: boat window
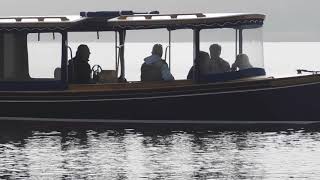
(161, 17)
(44, 55)
(138, 46)
(7, 20)
(52, 20)
(101, 45)
(136, 18)
(186, 16)
(181, 53)
(215, 39)
(24, 58)
(30, 20)
(232, 49)
(253, 46)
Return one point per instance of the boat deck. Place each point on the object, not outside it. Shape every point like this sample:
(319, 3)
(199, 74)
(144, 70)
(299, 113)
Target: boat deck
(246, 82)
(177, 85)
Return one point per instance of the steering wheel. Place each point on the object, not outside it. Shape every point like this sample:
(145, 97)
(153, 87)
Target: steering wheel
(96, 69)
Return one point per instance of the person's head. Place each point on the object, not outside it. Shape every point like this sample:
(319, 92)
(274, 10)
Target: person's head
(157, 50)
(243, 61)
(83, 52)
(215, 50)
(243, 58)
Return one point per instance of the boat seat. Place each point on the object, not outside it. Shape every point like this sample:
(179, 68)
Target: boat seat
(108, 76)
(57, 74)
(233, 75)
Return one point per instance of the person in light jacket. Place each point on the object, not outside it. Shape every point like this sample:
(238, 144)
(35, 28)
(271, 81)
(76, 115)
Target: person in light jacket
(154, 68)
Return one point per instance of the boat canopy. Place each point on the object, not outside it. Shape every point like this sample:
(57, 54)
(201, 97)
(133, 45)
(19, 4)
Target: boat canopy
(126, 20)
(237, 38)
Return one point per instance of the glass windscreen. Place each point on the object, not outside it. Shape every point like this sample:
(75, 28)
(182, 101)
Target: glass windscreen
(253, 46)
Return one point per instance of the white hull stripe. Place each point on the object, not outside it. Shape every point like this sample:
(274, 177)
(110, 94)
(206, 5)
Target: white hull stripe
(151, 121)
(153, 97)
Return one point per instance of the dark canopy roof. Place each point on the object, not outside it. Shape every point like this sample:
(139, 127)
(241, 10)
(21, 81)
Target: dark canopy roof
(106, 22)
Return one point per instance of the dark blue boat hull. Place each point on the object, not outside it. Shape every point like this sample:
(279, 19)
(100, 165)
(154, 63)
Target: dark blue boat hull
(197, 104)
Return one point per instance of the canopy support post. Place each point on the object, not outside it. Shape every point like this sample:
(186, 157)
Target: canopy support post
(64, 57)
(116, 51)
(196, 54)
(236, 43)
(98, 35)
(240, 41)
(122, 37)
(170, 50)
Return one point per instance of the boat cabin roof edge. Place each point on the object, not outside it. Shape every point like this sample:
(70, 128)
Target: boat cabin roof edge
(127, 22)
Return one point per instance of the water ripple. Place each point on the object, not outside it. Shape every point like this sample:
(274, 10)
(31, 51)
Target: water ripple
(138, 154)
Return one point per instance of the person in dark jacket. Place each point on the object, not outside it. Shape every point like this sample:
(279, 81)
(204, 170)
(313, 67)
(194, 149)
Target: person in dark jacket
(154, 68)
(79, 70)
(218, 64)
(204, 65)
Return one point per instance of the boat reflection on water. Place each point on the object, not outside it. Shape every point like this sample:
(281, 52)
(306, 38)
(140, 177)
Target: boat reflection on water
(155, 154)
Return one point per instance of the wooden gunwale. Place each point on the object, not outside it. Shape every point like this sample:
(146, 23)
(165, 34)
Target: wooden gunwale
(179, 86)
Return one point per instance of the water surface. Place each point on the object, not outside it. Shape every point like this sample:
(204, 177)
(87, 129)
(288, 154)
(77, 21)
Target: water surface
(106, 153)
(109, 153)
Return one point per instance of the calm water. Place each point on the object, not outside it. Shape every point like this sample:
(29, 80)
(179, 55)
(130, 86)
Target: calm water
(92, 153)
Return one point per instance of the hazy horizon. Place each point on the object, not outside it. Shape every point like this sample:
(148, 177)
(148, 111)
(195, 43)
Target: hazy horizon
(287, 20)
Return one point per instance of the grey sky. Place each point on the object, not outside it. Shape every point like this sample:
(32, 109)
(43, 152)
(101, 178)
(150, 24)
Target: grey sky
(287, 20)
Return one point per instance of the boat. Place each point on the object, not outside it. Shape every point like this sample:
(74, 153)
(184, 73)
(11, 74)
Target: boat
(234, 97)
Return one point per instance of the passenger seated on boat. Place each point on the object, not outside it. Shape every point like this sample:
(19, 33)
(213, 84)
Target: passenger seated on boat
(79, 70)
(154, 68)
(218, 65)
(204, 65)
(242, 62)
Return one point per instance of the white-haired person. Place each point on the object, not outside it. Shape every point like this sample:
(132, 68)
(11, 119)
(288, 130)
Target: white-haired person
(242, 62)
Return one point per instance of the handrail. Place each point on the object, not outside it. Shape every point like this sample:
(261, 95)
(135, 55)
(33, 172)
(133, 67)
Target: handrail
(299, 71)
(172, 16)
(118, 57)
(165, 53)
